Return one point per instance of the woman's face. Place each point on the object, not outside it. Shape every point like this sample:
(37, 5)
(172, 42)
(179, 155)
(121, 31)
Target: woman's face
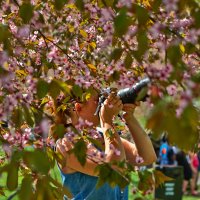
(87, 109)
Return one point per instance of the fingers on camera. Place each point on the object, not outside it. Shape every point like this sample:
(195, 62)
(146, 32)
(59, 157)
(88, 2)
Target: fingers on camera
(118, 103)
(113, 97)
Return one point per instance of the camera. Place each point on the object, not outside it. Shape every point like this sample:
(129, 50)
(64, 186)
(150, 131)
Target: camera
(138, 92)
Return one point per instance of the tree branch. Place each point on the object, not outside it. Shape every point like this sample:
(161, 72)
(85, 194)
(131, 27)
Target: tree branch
(45, 38)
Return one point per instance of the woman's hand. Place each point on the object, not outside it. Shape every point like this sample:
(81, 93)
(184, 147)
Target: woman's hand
(129, 111)
(111, 107)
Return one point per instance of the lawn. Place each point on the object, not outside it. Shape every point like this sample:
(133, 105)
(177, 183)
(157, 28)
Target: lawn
(190, 198)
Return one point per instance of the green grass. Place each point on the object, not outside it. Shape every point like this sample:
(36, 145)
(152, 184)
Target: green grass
(190, 198)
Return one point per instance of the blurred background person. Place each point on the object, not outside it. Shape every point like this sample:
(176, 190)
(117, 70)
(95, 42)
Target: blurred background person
(183, 160)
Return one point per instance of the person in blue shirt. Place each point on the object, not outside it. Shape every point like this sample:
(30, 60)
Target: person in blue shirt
(82, 180)
(163, 153)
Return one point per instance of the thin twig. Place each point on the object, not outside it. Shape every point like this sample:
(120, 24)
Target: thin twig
(56, 46)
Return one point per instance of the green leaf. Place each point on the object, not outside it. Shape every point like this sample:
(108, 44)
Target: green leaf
(77, 91)
(104, 173)
(156, 120)
(51, 153)
(142, 15)
(79, 4)
(38, 116)
(121, 22)
(142, 42)
(196, 77)
(116, 54)
(26, 12)
(3, 72)
(160, 178)
(114, 76)
(28, 116)
(93, 45)
(142, 94)
(42, 88)
(59, 4)
(4, 32)
(156, 5)
(191, 115)
(79, 150)
(56, 86)
(107, 3)
(4, 168)
(2, 193)
(40, 192)
(17, 117)
(62, 190)
(84, 33)
(54, 89)
(37, 161)
(117, 179)
(44, 101)
(163, 119)
(12, 176)
(128, 61)
(146, 181)
(113, 177)
(59, 130)
(190, 48)
(110, 133)
(196, 17)
(97, 143)
(100, 4)
(21, 73)
(65, 87)
(174, 54)
(26, 191)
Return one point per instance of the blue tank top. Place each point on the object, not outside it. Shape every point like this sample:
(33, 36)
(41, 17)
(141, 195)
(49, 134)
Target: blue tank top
(83, 187)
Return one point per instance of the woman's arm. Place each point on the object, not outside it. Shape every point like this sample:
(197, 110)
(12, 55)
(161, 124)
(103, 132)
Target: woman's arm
(143, 146)
(113, 143)
(93, 158)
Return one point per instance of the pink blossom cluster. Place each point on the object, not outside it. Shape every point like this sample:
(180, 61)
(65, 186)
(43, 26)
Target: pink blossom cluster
(185, 99)
(83, 123)
(161, 72)
(18, 139)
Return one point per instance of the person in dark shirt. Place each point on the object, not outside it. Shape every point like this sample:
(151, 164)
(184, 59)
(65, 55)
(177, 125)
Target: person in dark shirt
(182, 160)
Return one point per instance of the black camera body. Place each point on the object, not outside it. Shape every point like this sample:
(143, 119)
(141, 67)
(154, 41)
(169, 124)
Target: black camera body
(138, 92)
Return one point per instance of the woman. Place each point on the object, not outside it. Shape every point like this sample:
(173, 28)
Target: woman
(194, 163)
(182, 160)
(81, 180)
